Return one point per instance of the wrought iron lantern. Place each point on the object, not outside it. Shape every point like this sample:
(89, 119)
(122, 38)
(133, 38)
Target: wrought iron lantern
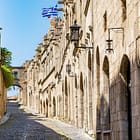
(74, 32)
(109, 41)
(75, 35)
(109, 45)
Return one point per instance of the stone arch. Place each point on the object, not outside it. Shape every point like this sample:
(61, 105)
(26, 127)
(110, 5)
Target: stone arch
(17, 85)
(98, 106)
(89, 102)
(106, 66)
(105, 103)
(81, 102)
(125, 99)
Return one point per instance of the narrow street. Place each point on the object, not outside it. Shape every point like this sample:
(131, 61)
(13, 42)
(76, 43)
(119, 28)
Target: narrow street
(25, 126)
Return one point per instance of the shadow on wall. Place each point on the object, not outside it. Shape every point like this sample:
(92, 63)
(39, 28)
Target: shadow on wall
(120, 102)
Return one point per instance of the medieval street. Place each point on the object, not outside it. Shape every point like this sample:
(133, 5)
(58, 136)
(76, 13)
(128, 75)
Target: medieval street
(70, 70)
(22, 125)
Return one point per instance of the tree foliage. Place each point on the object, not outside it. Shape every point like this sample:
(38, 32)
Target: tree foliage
(6, 57)
(7, 76)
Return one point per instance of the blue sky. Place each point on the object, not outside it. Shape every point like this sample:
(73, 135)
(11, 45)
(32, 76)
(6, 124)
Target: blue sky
(23, 27)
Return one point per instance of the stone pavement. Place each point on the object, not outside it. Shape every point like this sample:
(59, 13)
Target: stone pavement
(5, 118)
(26, 126)
(69, 130)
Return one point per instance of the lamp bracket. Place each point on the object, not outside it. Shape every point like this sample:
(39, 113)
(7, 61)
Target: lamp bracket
(83, 46)
(109, 40)
(117, 28)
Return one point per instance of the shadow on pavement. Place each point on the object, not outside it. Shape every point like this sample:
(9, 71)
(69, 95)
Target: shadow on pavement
(24, 126)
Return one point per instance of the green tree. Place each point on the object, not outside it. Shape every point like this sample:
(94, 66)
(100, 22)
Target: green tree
(6, 57)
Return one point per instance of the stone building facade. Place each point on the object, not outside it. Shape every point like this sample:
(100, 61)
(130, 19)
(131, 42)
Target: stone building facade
(20, 80)
(101, 91)
(3, 96)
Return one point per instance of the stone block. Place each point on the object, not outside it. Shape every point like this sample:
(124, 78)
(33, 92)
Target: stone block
(123, 125)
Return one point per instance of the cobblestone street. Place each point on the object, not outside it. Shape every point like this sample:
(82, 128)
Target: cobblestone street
(23, 125)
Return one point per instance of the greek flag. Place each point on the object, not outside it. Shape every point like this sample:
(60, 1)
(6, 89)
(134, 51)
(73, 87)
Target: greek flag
(48, 12)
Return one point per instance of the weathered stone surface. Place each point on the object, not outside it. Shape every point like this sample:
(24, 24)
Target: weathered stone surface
(101, 92)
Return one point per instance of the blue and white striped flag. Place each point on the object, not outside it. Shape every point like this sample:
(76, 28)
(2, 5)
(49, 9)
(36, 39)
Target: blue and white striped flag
(48, 12)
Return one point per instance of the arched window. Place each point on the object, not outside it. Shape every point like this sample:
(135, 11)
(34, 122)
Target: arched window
(15, 73)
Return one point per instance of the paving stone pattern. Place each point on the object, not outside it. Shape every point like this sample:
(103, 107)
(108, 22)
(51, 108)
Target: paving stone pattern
(25, 126)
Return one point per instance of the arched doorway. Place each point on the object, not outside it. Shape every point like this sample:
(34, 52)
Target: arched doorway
(43, 107)
(54, 107)
(98, 105)
(46, 109)
(125, 99)
(105, 100)
(81, 103)
(90, 110)
(17, 92)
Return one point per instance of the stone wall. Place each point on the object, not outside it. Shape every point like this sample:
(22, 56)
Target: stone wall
(3, 96)
(101, 92)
